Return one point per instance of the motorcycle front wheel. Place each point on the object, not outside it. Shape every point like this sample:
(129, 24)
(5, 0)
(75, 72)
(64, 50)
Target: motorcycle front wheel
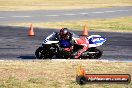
(95, 53)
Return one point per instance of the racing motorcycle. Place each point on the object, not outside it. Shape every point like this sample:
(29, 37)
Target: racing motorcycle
(51, 48)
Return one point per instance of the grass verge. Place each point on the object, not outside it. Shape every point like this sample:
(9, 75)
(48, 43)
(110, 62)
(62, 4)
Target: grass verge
(123, 24)
(57, 74)
(6, 5)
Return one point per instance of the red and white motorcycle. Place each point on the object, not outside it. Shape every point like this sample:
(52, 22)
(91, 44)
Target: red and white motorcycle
(50, 47)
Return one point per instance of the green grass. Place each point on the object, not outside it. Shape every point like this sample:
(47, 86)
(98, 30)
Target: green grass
(115, 24)
(57, 74)
(59, 4)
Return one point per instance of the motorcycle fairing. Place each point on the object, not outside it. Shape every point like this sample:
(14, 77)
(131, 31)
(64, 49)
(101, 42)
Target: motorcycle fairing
(96, 39)
(51, 39)
(82, 41)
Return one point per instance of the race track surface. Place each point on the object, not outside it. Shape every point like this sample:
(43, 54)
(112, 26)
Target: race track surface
(64, 15)
(15, 44)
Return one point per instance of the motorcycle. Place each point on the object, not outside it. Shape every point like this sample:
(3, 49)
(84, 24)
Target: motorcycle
(50, 47)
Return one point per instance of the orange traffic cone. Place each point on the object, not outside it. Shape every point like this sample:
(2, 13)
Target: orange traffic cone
(85, 30)
(81, 71)
(31, 31)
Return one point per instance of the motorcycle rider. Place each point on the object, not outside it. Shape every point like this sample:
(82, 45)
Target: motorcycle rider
(65, 35)
(65, 38)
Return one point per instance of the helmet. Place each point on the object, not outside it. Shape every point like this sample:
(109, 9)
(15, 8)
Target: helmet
(64, 32)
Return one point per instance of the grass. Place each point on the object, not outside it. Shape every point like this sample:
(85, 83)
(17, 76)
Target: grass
(6, 5)
(115, 24)
(57, 74)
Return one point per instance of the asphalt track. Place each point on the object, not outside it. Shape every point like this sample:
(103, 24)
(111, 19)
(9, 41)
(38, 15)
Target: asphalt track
(15, 44)
(64, 15)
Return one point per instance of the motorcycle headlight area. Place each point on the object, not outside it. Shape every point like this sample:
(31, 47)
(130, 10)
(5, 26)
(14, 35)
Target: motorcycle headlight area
(98, 40)
(44, 41)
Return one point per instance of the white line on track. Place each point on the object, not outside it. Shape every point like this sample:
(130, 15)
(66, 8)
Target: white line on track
(70, 14)
(122, 10)
(21, 16)
(83, 13)
(94, 60)
(97, 12)
(78, 60)
(111, 11)
(2, 17)
(52, 15)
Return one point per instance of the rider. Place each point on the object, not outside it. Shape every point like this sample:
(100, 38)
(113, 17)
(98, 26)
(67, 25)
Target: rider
(66, 41)
(65, 38)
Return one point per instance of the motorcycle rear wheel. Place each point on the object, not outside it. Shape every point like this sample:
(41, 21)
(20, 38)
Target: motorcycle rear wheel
(42, 53)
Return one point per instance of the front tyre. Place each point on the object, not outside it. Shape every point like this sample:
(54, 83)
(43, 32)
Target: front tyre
(95, 53)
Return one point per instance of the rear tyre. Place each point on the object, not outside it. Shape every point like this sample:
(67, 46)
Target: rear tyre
(40, 53)
(44, 53)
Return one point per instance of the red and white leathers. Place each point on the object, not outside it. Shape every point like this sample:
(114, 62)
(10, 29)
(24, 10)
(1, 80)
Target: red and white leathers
(83, 41)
